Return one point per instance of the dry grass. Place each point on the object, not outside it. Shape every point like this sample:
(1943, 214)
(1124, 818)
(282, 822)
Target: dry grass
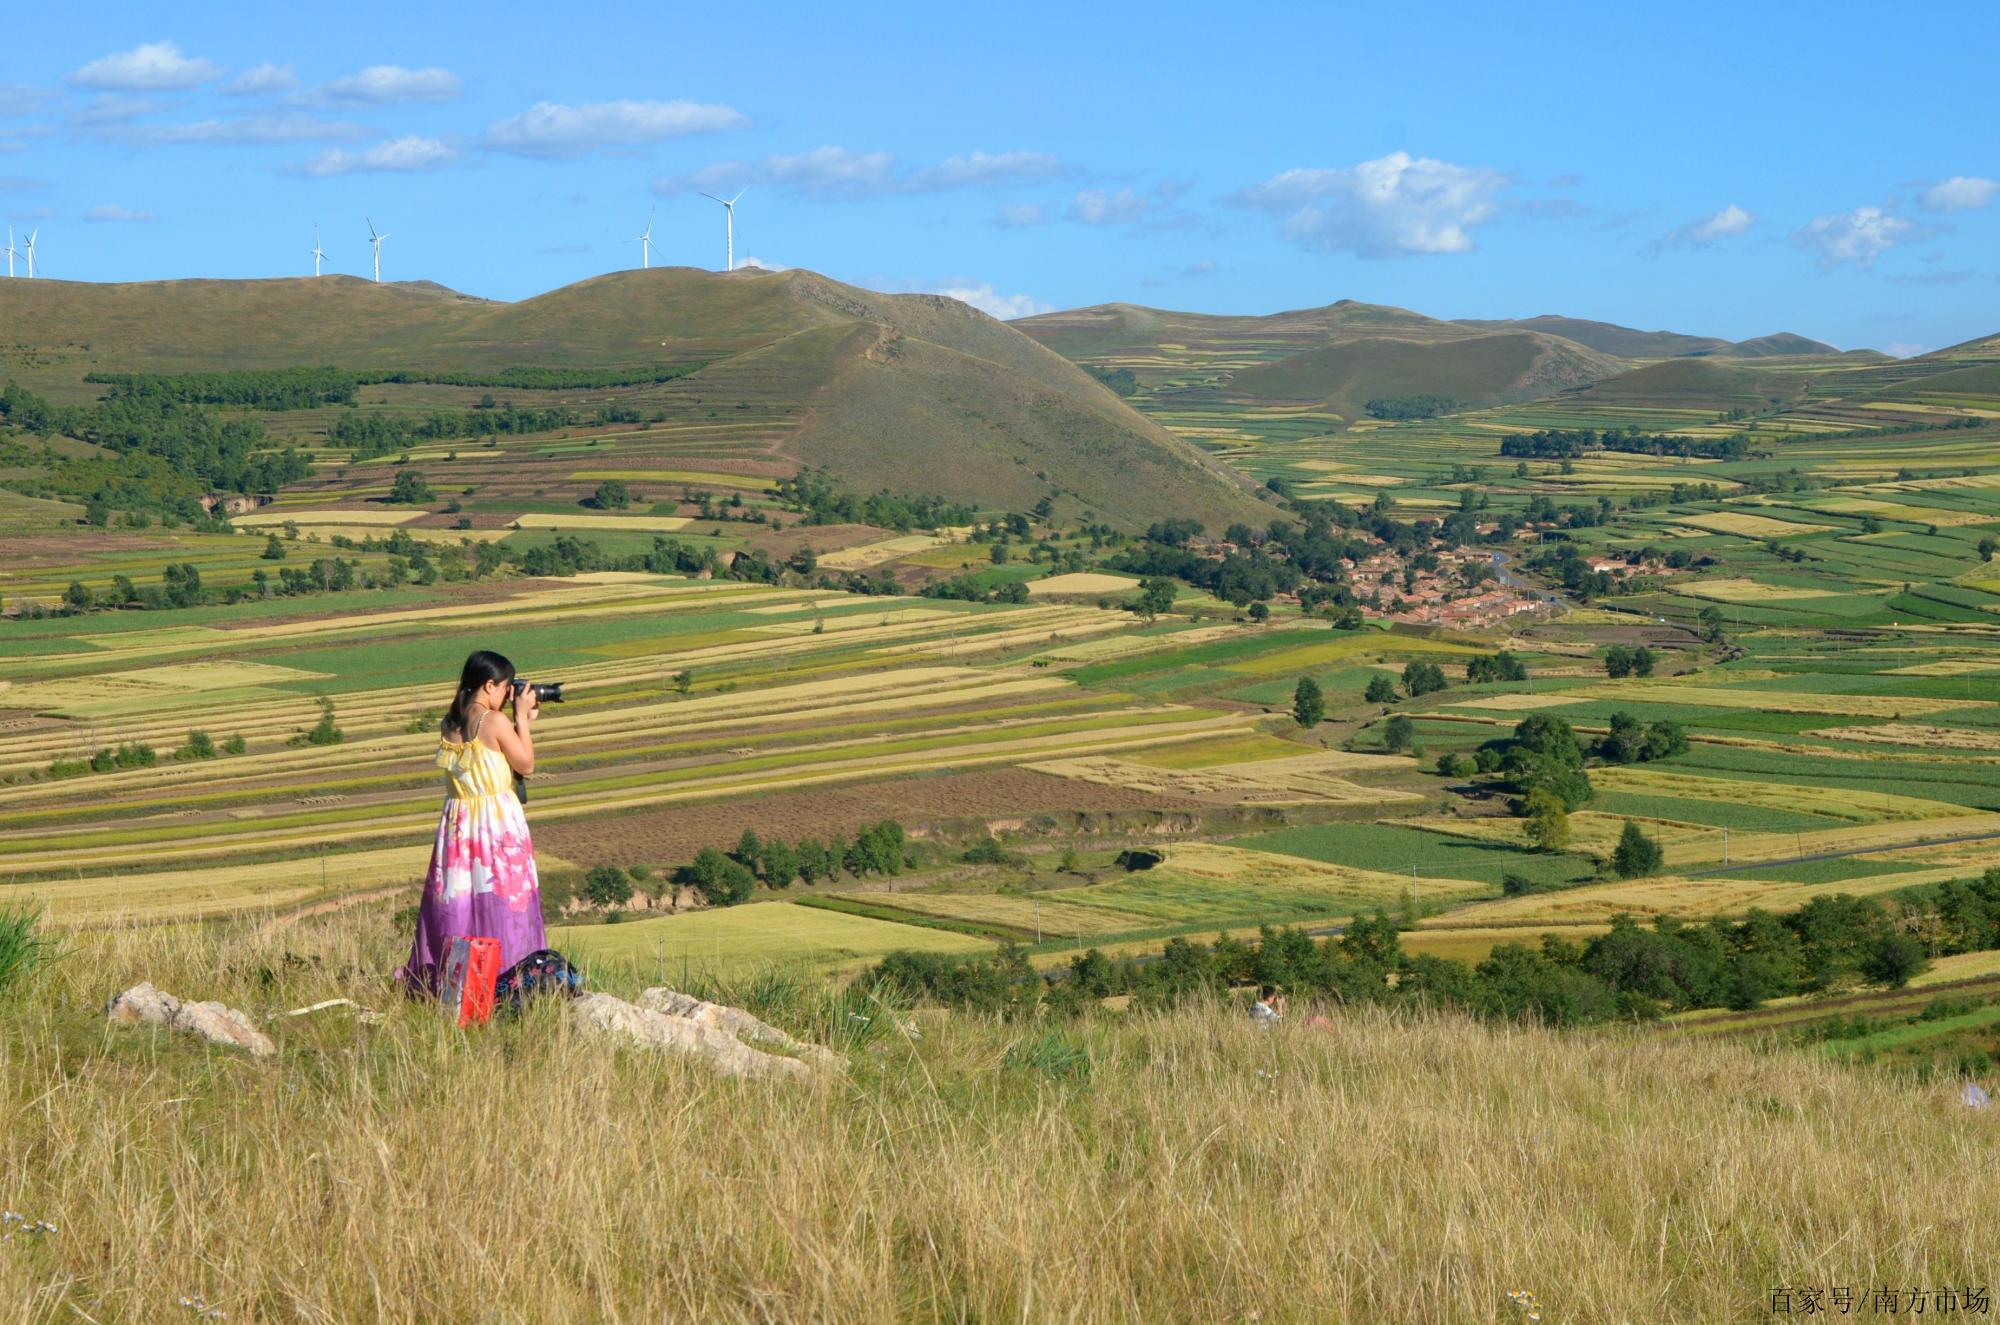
(1390, 1167)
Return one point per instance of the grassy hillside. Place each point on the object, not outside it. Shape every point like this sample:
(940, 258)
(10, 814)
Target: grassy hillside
(884, 390)
(1141, 1167)
(1605, 337)
(1481, 370)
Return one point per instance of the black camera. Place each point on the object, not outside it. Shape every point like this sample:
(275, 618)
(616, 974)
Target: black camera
(545, 693)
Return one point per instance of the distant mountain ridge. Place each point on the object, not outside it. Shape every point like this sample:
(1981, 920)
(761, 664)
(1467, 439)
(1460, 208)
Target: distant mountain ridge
(916, 393)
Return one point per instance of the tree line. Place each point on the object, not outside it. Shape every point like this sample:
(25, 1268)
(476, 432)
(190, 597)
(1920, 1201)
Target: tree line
(221, 455)
(1633, 972)
(310, 388)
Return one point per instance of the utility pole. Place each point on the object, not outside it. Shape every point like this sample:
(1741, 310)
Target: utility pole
(1725, 846)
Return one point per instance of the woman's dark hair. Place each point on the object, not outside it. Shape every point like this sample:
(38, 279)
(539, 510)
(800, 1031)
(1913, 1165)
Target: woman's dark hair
(481, 666)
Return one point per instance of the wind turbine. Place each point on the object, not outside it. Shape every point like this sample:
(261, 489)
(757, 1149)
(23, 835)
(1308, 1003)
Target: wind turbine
(729, 206)
(10, 252)
(319, 254)
(32, 235)
(646, 242)
(376, 240)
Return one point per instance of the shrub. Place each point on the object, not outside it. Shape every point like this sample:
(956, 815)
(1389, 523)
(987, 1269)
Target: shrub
(1308, 704)
(199, 746)
(1381, 690)
(324, 732)
(235, 745)
(607, 885)
(1636, 855)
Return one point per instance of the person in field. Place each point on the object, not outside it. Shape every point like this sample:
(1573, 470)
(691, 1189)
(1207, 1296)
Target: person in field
(481, 881)
(1269, 1009)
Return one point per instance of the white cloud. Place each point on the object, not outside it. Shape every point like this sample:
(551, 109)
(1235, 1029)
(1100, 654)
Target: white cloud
(263, 80)
(106, 211)
(1857, 237)
(384, 84)
(761, 265)
(984, 169)
(843, 174)
(289, 127)
(1728, 223)
(154, 67)
(115, 108)
(1393, 205)
(17, 99)
(550, 129)
(1020, 215)
(1960, 193)
(21, 184)
(986, 299)
(1098, 207)
(1903, 349)
(1205, 267)
(408, 153)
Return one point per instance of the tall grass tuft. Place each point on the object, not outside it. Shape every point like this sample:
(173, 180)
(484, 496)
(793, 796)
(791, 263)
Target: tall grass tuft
(23, 947)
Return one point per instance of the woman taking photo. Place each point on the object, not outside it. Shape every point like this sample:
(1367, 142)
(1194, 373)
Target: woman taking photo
(482, 880)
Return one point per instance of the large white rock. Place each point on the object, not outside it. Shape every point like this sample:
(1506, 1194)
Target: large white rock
(606, 1017)
(216, 1022)
(734, 1022)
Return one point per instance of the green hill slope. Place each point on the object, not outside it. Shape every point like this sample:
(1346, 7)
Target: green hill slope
(1480, 370)
(1606, 337)
(912, 392)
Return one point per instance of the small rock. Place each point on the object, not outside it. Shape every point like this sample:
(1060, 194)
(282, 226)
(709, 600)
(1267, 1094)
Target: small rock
(603, 1015)
(734, 1022)
(215, 1022)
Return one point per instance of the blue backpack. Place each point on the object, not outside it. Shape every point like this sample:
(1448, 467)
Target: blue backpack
(546, 972)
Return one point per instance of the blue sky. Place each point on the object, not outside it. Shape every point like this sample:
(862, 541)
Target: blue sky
(1723, 169)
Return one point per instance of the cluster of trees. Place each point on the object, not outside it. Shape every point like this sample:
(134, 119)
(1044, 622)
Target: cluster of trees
(969, 589)
(182, 440)
(371, 434)
(1503, 665)
(310, 388)
(814, 495)
(129, 755)
(724, 879)
(273, 389)
(1631, 741)
(1632, 972)
(1636, 660)
(1569, 443)
(1410, 407)
(1122, 381)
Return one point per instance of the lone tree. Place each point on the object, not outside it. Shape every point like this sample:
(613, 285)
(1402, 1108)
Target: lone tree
(409, 489)
(1156, 595)
(1423, 678)
(611, 495)
(1637, 855)
(1308, 704)
(1548, 821)
(1397, 733)
(1381, 690)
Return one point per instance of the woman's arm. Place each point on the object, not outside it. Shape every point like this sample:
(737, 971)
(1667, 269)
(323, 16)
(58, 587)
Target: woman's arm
(516, 740)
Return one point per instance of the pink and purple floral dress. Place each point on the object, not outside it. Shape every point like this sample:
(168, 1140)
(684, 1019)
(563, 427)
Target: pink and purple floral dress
(482, 879)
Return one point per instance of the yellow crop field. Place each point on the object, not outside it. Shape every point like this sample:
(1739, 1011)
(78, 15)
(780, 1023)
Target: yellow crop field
(758, 482)
(1672, 896)
(1746, 591)
(1296, 780)
(1776, 701)
(1912, 733)
(1243, 866)
(1081, 583)
(336, 515)
(1521, 702)
(1344, 649)
(223, 889)
(1751, 526)
(1840, 802)
(750, 937)
(875, 554)
(1474, 943)
(662, 523)
(1207, 754)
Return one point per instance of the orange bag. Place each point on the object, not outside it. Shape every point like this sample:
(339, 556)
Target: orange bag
(471, 968)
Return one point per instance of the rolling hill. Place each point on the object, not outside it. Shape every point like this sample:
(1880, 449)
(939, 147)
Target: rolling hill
(1327, 361)
(906, 392)
(1605, 337)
